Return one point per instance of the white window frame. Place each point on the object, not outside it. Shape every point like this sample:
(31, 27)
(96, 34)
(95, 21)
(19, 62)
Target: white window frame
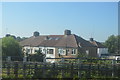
(28, 50)
(73, 52)
(48, 51)
(61, 51)
(45, 51)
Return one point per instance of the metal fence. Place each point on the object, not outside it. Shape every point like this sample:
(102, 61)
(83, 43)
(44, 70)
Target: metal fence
(82, 68)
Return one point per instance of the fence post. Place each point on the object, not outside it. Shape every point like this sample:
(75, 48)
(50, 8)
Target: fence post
(24, 59)
(8, 68)
(99, 69)
(62, 60)
(106, 66)
(88, 70)
(44, 70)
(35, 71)
(8, 59)
(113, 68)
(79, 68)
(24, 69)
(72, 70)
(53, 70)
(29, 67)
(16, 69)
(62, 67)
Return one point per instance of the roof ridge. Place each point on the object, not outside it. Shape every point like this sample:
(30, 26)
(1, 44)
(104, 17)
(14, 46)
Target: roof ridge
(96, 43)
(56, 35)
(75, 39)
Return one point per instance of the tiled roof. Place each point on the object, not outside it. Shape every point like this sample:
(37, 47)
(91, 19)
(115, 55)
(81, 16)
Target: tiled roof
(32, 41)
(98, 44)
(67, 41)
(57, 41)
(82, 42)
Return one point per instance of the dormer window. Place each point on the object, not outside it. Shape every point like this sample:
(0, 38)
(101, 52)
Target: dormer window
(87, 52)
(79, 45)
(53, 38)
(50, 38)
(57, 38)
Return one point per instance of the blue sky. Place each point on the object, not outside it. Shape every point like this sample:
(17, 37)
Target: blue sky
(86, 19)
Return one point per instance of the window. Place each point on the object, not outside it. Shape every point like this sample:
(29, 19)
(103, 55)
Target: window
(57, 38)
(36, 51)
(44, 51)
(87, 52)
(40, 49)
(73, 51)
(61, 51)
(50, 38)
(50, 51)
(47, 51)
(118, 58)
(27, 50)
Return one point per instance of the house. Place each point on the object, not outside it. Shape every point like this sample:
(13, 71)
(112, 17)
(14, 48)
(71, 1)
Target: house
(101, 49)
(57, 46)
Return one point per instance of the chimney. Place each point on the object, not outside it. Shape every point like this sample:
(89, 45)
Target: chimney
(91, 39)
(36, 34)
(67, 32)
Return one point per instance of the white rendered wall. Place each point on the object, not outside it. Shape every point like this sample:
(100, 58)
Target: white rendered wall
(102, 51)
(32, 49)
(44, 51)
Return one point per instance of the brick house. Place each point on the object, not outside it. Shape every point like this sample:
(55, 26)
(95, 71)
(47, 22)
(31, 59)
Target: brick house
(101, 49)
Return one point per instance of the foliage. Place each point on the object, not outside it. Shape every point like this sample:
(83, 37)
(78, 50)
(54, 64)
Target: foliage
(16, 37)
(21, 39)
(43, 70)
(81, 55)
(38, 56)
(113, 44)
(10, 47)
(64, 71)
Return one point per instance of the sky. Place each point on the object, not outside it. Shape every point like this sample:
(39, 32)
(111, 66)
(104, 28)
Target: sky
(86, 19)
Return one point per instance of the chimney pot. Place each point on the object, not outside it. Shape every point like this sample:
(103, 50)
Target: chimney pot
(36, 34)
(67, 32)
(91, 39)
